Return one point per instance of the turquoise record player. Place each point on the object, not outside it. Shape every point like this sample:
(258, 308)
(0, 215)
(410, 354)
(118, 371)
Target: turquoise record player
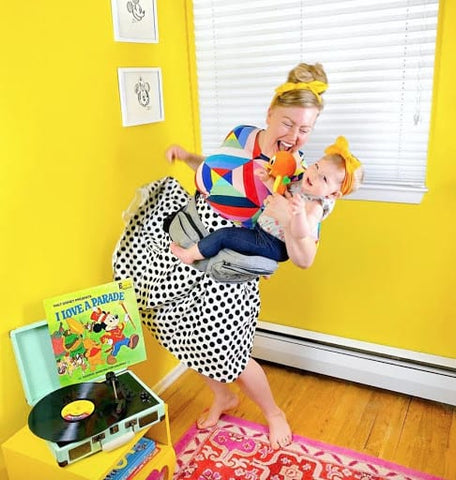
(80, 407)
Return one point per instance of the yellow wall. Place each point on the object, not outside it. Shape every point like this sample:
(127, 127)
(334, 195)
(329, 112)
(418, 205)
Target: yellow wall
(68, 167)
(385, 272)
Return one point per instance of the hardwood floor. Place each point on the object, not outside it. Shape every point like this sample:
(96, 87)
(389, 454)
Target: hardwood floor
(416, 433)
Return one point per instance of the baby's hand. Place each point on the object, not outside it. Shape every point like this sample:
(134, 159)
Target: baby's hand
(176, 152)
(297, 205)
(262, 174)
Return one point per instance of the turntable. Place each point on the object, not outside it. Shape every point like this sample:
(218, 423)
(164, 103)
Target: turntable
(108, 405)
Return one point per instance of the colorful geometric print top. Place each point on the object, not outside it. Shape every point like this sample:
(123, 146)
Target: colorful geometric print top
(227, 178)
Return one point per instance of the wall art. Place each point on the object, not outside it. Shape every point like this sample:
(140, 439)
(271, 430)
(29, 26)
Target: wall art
(135, 21)
(141, 96)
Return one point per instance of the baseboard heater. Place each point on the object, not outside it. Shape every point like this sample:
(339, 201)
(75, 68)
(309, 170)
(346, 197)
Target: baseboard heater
(413, 373)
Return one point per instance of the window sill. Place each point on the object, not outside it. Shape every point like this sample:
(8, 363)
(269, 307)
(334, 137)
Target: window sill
(389, 193)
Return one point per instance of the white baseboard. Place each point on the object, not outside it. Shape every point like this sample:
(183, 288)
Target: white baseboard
(412, 373)
(172, 376)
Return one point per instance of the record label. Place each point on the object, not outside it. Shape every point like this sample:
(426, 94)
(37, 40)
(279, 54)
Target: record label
(77, 410)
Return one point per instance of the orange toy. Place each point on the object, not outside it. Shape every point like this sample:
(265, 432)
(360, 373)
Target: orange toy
(281, 166)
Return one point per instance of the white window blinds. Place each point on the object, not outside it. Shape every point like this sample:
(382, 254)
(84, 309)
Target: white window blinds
(379, 58)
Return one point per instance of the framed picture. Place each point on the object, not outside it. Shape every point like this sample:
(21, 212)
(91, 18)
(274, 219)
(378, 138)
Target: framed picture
(141, 97)
(135, 21)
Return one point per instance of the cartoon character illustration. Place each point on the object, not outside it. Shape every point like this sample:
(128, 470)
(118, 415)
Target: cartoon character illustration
(62, 366)
(93, 353)
(68, 348)
(136, 10)
(58, 345)
(142, 90)
(114, 335)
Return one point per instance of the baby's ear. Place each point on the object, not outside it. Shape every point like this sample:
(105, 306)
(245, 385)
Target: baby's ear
(335, 195)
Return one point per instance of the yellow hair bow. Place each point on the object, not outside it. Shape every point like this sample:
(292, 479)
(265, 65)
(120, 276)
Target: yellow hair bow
(315, 86)
(340, 147)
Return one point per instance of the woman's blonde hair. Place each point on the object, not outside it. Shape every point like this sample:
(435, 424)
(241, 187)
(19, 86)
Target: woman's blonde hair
(302, 73)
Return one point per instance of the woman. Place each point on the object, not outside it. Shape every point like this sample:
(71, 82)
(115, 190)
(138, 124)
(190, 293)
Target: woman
(206, 324)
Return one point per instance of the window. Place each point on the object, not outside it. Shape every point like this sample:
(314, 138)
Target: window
(379, 58)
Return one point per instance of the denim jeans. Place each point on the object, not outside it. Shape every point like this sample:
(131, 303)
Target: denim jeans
(244, 240)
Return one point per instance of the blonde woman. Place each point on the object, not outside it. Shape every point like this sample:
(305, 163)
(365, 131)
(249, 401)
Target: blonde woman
(210, 325)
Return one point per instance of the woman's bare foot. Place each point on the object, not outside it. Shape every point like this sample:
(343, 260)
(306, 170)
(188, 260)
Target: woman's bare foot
(220, 405)
(186, 255)
(280, 434)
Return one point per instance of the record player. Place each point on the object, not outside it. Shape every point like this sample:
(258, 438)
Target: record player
(107, 404)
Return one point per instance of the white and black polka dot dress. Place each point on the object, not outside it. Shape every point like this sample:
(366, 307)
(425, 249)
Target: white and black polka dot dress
(206, 324)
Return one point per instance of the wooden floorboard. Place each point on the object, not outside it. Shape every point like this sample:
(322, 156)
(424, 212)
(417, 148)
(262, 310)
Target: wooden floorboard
(413, 432)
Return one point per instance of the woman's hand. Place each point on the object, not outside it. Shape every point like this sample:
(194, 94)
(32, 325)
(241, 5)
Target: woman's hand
(176, 152)
(277, 207)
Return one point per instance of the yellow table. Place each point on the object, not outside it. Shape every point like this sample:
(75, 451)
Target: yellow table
(28, 456)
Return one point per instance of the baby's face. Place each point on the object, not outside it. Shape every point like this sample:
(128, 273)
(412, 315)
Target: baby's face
(323, 179)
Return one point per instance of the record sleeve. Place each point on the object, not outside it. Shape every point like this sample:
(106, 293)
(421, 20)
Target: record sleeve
(94, 331)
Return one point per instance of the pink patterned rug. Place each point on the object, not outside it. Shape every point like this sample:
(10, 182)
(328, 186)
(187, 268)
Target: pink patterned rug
(239, 450)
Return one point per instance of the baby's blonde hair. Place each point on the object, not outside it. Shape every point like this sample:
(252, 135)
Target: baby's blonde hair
(302, 98)
(358, 174)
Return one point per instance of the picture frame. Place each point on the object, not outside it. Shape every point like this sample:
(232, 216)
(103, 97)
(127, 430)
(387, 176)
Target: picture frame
(135, 21)
(141, 96)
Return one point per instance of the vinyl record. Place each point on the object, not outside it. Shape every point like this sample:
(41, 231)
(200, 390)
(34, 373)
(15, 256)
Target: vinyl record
(74, 412)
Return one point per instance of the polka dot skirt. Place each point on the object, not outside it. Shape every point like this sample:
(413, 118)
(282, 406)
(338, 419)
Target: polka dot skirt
(206, 324)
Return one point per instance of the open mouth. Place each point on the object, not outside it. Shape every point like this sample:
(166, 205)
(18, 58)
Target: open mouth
(283, 146)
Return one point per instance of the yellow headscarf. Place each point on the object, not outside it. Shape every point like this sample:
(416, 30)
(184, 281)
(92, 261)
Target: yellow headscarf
(340, 147)
(315, 86)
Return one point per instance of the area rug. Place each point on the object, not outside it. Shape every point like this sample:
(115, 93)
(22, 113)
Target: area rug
(239, 450)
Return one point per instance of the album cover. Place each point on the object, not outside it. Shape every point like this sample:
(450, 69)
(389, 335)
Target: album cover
(141, 453)
(94, 331)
